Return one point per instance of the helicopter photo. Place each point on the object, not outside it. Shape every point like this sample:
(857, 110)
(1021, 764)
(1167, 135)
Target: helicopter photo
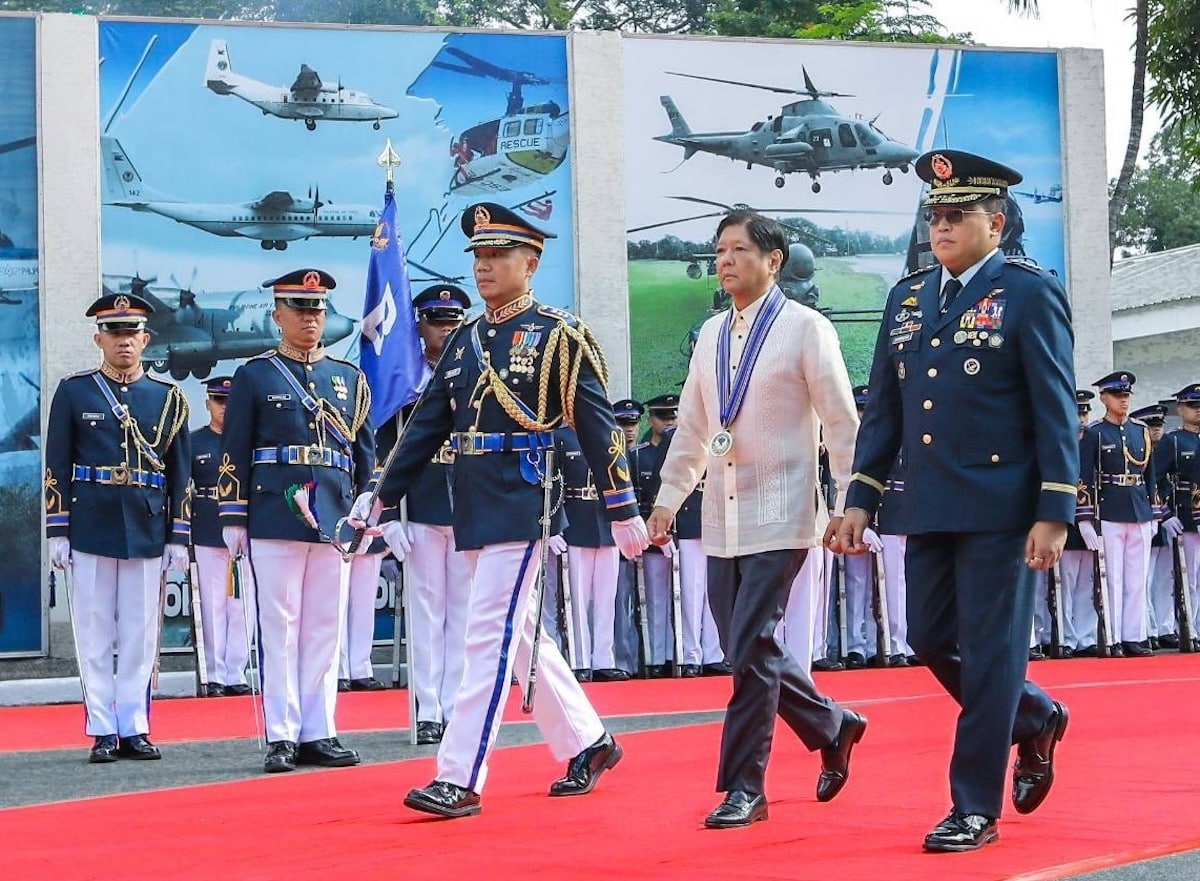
(308, 98)
(188, 337)
(524, 145)
(1054, 194)
(808, 136)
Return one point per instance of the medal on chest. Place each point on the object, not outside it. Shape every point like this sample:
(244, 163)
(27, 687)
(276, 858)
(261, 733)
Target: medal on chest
(524, 352)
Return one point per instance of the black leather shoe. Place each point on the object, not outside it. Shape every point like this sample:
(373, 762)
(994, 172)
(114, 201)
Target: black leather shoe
(585, 769)
(689, 671)
(609, 674)
(444, 799)
(1169, 640)
(961, 831)
(429, 732)
(343, 685)
(237, 690)
(897, 660)
(828, 665)
(138, 746)
(214, 689)
(835, 758)
(1033, 773)
(327, 753)
(280, 757)
(1116, 651)
(855, 661)
(914, 661)
(582, 675)
(368, 684)
(1036, 653)
(1088, 651)
(656, 671)
(1136, 650)
(738, 809)
(104, 750)
(1154, 644)
(720, 668)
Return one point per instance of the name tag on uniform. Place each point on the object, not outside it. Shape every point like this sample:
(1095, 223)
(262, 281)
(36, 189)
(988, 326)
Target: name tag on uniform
(272, 398)
(572, 454)
(450, 374)
(93, 415)
(1108, 447)
(204, 457)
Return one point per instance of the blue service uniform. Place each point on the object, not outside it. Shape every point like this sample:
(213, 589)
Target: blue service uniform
(982, 399)
(1175, 462)
(498, 392)
(117, 475)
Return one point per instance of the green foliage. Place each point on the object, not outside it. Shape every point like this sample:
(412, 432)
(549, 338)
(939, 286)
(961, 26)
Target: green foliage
(1173, 34)
(880, 21)
(1163, 209)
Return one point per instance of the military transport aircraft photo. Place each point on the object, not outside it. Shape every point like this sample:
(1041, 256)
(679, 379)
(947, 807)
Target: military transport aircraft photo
(308, 97)
(1054, 194)
(808, 136)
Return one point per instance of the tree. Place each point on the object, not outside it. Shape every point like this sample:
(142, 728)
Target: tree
(1162, 210)
(880, 21)
(1172, 34)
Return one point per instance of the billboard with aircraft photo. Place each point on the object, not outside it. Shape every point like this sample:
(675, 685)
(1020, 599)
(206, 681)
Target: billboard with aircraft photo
(823, 137)
(233, 154)
(22, 625)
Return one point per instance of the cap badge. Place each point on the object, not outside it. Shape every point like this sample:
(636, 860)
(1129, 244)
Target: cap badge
(942, 167)
(121, 303)
(482, 217)
(444, 295)
(312, 280)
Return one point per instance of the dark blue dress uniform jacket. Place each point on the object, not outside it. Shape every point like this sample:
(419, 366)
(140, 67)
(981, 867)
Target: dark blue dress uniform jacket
(982, 400)
(1105, 450)
(206, 459)
(493, 501)
(109, 519)
(649, 460)
(1174, 463)
(264, 413)
(687, 518)
(587, 527)
(891, 504)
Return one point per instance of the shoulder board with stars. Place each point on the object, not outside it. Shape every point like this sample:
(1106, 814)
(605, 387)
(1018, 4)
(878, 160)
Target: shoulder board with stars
(560, 314)
(917, 272)
(1024, 262)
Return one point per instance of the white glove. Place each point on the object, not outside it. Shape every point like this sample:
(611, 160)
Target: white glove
(397, 538)
(557, 545)
(631, 536)
(1087, 531)
(669, 550)
(363, 513)
(60, 552)
(1172, 528)
(235, 540)
(175, 558)
(872, 540)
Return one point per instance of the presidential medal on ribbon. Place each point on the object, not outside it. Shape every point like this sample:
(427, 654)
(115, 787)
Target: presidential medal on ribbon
(731, 393)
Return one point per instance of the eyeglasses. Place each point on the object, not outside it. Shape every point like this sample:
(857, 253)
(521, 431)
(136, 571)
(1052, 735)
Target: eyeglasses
(1189, 403)
(953, 216)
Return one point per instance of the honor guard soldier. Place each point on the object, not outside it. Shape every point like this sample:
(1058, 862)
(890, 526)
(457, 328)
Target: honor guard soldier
(1159, 580)
(117, 517)
(226, 637)
(297, 441)
(627, 639)
(656, 562)
(972, 377)
(436, 571)
(1075, 566)
(1176, 462)
(1117, 507)
(860, 627)
(355, 670)
(506, 382)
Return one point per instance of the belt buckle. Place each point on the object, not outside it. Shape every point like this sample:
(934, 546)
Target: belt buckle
(313, 455)
(474, 443)
(120, 475)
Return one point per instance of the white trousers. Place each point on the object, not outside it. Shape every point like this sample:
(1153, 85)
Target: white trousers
(797, 629)
(116, 602)
(894, 547)
(656, 569)
(860, 624)
(358, 625)
(1078, 605)
(701, 644)
(439, 579)
(226, 650)
(1127, 567)
(593, 576)
(301, 592)
(1160, 595)
(500, 625)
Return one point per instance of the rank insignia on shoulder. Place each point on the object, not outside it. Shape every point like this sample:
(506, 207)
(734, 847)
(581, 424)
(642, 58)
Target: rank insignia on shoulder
(555, 312)
(1023, 261)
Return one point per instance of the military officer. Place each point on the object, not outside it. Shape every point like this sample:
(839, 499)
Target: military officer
(1075, 565)
(658, 616)
(437, 572)
(1175, 462)
(1117, 506)
(355, 669)
(506, 382)
(297, 440)
(627, 642)
(972, 376)
(226, 638)
(117, 516)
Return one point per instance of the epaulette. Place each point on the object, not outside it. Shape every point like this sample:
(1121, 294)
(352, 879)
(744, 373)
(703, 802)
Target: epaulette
(640, 446)
(1095, 422)
(917, 272)
(341, 361)
(87, 371)
(1024, 262)
(161, 379)
(262, 356)
(1137, 421)
(561, 314)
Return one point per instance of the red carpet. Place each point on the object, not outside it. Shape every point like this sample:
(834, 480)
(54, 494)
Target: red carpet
(1117, 798)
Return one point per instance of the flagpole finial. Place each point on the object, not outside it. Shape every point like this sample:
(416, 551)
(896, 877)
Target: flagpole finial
(389, 159)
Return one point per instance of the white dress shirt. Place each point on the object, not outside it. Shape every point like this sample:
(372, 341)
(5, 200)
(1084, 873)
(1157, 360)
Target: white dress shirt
(761, 496)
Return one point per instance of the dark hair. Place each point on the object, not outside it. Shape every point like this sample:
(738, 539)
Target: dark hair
(994, 204)
(766, 232)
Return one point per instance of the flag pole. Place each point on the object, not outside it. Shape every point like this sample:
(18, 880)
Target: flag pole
(389, 159)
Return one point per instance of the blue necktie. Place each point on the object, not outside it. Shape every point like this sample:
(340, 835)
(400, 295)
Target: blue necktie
(949, 292)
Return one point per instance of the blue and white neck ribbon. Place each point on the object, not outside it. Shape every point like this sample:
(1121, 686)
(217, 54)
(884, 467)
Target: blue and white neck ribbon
(731, 392)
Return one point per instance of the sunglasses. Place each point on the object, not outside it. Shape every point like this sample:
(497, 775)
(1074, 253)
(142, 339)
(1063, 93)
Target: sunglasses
(953, 216)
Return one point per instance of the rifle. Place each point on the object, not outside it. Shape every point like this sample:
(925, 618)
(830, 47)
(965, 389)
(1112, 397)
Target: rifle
(843, 625)
(197, 624)
(539, 587)
(677, 613)
(1183, 596)
(879, 610)
(643, 625)
(566, 613)
(1054, 604)
(1100, 574)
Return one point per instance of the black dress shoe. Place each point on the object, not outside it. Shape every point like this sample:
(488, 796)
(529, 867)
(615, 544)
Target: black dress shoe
(1036, 653)
(444, 799)
(429, 732)
(368, 684)
(689, 671)
(214, 689)
(609, 674)
(326, 752)
(961, 831)
(738, 809)
(855, 661)
(656, 671)
(237, 690)
(719, 668)
(835, 758)
(582, 675)
(280, 757)
(1033, 773)
(828, 665)
(1169, 640)
(343, 685)
(104, 750)
(914, 661)
(585, 769)
(1154, 645)
(138, 747)
(1088, 651)
(897, 660)
(1116, 651)
(1136, 650)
